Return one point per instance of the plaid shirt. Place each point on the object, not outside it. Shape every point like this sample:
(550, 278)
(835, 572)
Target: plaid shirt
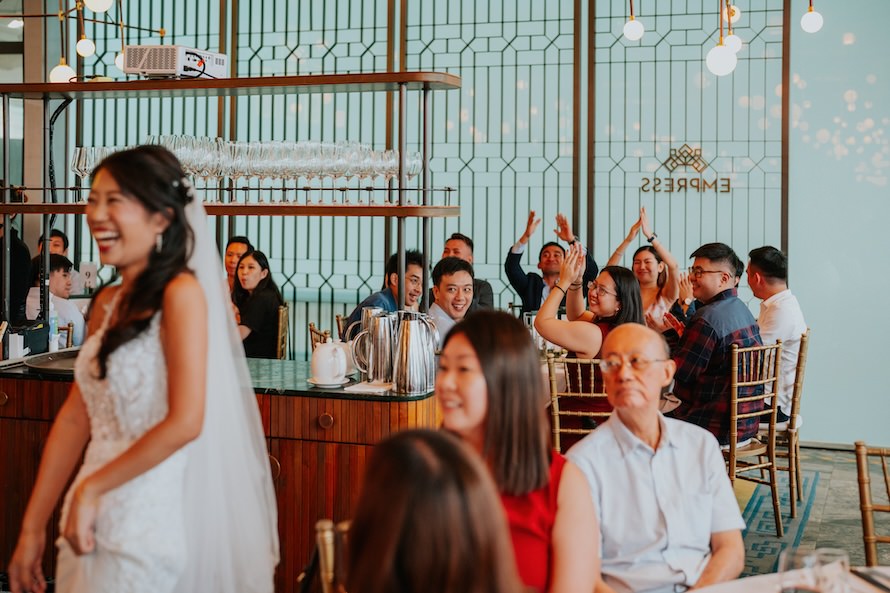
(703, 356)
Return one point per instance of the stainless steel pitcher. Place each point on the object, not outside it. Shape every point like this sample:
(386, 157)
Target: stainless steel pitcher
(372, 348)
(363, 322)
(414, 367)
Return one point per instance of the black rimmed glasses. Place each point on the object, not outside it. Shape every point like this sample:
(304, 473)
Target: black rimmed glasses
(599, 289)
(613, 364)
(698, 272)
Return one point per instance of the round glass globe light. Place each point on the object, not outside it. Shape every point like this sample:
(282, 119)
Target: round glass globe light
(634, 30)
(734, 14)
(721, 60)
(811, 21)
(733, 42)
(98, 5)
(85, 47)
(62, 73)
(119, 61)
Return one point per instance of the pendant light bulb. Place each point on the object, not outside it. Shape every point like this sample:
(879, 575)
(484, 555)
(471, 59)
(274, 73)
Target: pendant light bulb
(733, 42)
(733, 15)
(811, 21)
(62, 72)
(721, 60)
(119, 61)
(98, 5)
(634, 29)
(85, 47)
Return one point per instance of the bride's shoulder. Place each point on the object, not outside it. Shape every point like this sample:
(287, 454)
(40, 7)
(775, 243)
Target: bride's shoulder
(183, 289)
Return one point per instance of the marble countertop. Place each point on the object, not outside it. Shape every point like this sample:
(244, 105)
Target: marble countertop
(270, 377)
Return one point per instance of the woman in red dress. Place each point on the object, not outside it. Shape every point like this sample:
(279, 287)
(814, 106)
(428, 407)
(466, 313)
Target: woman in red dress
(492, 394)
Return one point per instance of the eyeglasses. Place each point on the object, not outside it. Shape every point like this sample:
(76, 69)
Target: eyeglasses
(599, 290)
(613, 364)
(699, 272)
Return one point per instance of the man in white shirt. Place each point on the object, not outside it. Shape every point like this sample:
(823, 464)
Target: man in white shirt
(60, 290)
(58, 244)
(668, 517)
(453, 293)
(780, 315)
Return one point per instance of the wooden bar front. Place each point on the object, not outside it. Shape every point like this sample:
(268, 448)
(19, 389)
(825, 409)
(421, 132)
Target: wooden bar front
(318, 440)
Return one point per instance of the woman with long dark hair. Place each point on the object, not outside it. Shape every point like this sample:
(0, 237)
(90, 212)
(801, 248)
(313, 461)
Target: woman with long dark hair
(257, 297)
(492, 394)
(157, 402)
(429, 521)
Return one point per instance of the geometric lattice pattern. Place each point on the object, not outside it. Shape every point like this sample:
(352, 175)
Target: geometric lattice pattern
(686, 156)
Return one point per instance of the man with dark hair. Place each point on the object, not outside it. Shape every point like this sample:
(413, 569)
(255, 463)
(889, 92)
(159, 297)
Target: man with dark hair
(531, 287)
(388, 297)
(58, 244)
(453, 292)
(780, 315)
(236, 246)
(703, 354)
(60, 291)
(460, 245)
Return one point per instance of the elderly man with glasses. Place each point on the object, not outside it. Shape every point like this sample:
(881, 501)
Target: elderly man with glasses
(703, 353)
(669, 520)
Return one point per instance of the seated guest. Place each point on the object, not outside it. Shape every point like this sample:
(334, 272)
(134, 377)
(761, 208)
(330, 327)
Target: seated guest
(492, 394)
(428, 521)
(388, 297)
(58, 244)
(459, 245)
(667, 512)
(19, 276)
(614, 299)
(257, 297)
(533, 288)
(235, 248)
(654, 267)
(780, 316)
(703, 354)
(59, 290)
(453, 291)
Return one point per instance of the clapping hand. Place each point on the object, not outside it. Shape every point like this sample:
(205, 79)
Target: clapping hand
(644, 223)
(573, 265)
(563, 229)
(685, 288)
(530, 227)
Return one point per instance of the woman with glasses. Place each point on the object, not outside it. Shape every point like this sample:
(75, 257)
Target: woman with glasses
(614, 299)
(654, 267)
(492, 394)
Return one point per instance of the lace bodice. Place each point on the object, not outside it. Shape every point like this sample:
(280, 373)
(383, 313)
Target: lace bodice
(133, 396)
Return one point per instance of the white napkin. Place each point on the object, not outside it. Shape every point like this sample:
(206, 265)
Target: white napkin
(367, 387)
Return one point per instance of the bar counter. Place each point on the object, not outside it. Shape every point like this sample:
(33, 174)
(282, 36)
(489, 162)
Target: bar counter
(318, 440)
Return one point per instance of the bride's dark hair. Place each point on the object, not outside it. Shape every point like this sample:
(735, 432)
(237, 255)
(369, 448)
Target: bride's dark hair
(154, 177)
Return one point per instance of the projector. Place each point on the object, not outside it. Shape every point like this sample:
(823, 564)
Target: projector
(174, 61)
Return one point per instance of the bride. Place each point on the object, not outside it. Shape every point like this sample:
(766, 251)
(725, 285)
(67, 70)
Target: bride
(175, 493)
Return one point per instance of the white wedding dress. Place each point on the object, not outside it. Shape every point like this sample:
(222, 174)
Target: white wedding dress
(140, 529)
(204, 519)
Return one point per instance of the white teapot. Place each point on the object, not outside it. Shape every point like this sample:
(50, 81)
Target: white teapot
(328, 364)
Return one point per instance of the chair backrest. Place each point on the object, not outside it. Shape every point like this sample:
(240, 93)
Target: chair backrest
(316, 336)
(754, 377)
(282, 331)
(869, 534)
(69, 333)
(577, 397)
(341, 325)
(799, 373)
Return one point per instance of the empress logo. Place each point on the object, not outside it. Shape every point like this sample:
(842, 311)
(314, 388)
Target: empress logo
(685, 157)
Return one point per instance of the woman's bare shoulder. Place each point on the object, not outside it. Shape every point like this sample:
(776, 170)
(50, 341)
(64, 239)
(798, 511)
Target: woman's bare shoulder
(184, 290)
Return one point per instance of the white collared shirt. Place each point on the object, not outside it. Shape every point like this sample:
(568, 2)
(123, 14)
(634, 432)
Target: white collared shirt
(656, 509)
(444, 322)
(781, 319)
(65, 309)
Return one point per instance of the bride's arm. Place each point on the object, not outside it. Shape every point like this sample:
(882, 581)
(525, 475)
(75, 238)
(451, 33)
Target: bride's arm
(184, 341)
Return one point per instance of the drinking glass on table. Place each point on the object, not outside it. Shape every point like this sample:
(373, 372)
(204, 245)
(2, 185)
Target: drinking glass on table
(833, 567)
(821, 571)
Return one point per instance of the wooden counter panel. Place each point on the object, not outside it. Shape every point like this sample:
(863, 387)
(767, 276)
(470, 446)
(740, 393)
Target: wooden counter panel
(345, 421)
(32, 399)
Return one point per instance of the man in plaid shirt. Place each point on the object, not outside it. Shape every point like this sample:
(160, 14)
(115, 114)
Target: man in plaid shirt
(703, 353)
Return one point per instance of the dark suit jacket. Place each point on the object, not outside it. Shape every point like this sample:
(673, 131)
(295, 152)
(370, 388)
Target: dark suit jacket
(530, 285)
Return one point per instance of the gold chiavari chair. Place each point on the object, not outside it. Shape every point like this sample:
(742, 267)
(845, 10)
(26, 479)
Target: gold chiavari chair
(577, 397)
(870, 537)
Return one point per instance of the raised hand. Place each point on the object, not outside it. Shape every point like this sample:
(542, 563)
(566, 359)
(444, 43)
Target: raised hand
(632, 233)
(685, 287)
(25, 572)
(572, 269)
(563, 228)
(530, 227)
(644, 223)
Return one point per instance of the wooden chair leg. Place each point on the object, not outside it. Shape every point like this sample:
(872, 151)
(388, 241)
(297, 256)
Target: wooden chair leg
(797, 469)
(773, 484)
(792, 487)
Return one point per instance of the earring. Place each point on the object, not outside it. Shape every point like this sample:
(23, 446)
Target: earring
(159, 242)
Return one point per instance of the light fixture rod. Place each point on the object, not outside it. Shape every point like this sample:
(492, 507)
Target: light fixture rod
(631, 9)
(720, 18)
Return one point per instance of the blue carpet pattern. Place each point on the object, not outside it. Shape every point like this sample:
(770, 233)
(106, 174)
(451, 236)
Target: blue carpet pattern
(762, 547)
